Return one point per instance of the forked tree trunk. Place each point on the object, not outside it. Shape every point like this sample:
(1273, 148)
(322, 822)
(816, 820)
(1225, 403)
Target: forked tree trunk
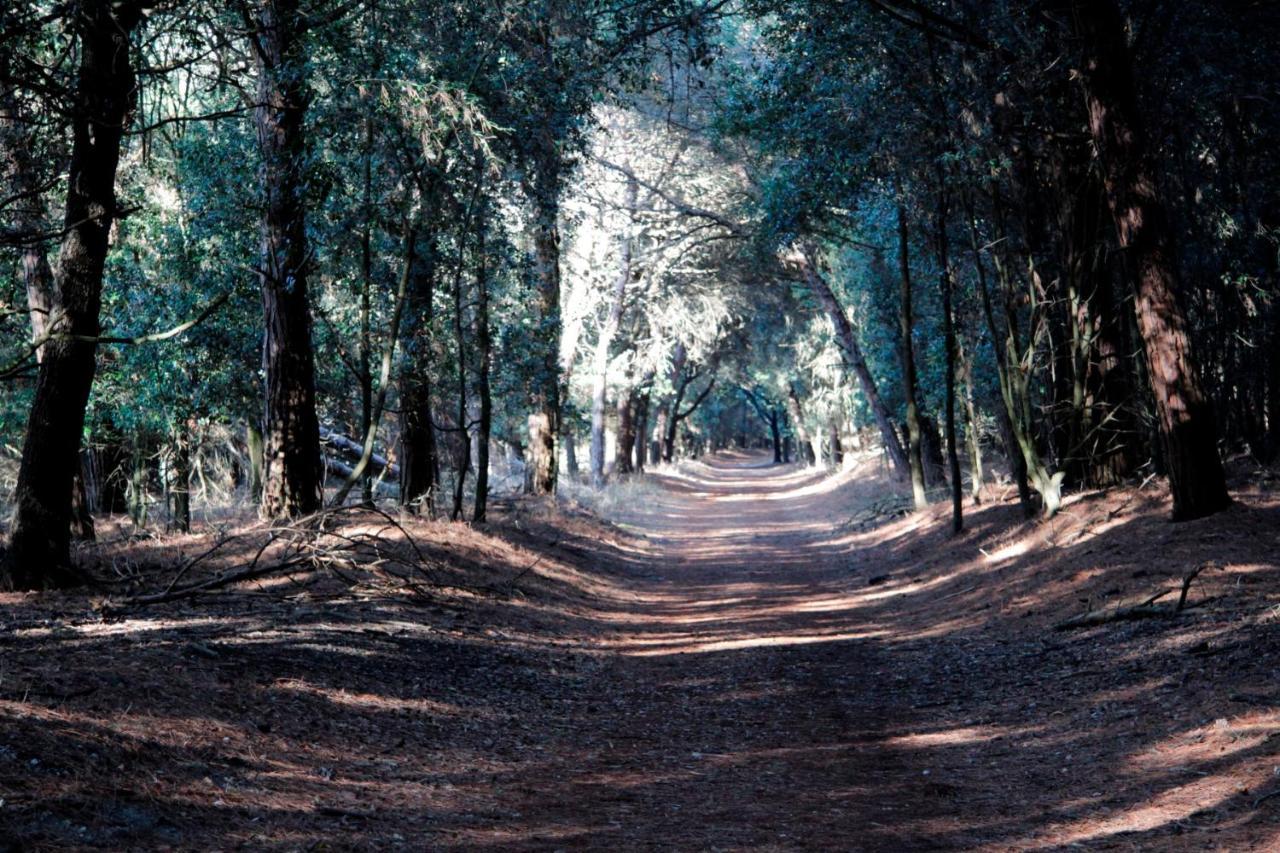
(292, 475)
(39, 553)
(1184, 411)
(28, 217)
(1001, 348)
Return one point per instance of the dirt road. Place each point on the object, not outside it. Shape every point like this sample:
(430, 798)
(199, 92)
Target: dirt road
(735, 668)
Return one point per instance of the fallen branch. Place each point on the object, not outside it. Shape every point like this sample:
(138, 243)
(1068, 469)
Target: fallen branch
(307, 544)
(1143, 610)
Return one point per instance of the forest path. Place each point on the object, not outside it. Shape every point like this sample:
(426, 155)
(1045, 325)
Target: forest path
(739, 667)
(742, 702)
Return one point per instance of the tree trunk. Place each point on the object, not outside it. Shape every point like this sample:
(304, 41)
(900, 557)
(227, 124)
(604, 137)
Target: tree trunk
(27, 211)
(659, 434)
(544, 421)
(28, 217)
(803, 441)
(1184, 411)
(484, 364)
(947, 280)
(853, 354)
(775, 436)
(835, 453)
(253, 444)
(463, 462)
(641, 404)
(608, 330)
(1001, 348)
(39, 553)
(569, 436)
(626, 432)
(919, 496)
(81, 512)
(419, 462)
(669, 423)
(180, 488)
(366, 288)
(292, 476)
(973, 439)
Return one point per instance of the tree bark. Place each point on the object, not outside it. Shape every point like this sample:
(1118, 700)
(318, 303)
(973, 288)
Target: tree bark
(642, 398)
(105, 96)
(292, 474)
(1001, 347)
(803, 440)
(906, 324)
(544, 421)
(947, 281)
(626, 432)
(1184, 411)
(180, 489)
(608, 330)
(419, 463)
(484, 364)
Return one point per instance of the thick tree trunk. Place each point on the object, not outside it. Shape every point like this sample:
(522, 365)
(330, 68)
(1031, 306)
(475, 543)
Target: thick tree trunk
(419, 463)
(28, 217)
(626, 432)
(1184, 411)
(775, 436)
(292, 476)
(39, 553)
(919, 496)
(853, 355)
